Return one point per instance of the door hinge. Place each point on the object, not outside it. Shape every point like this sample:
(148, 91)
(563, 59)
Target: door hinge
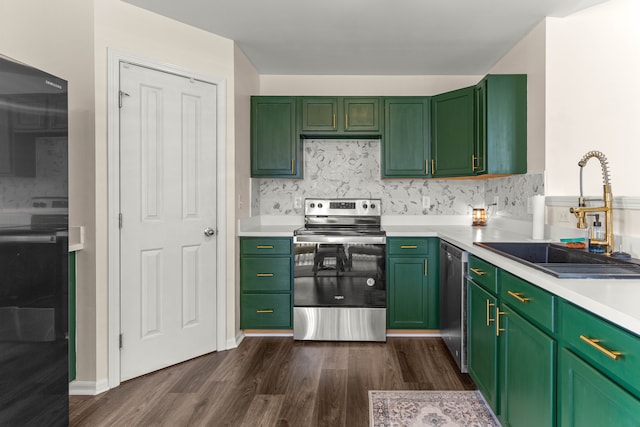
(120, 220)
(121, 94)
(120, 341)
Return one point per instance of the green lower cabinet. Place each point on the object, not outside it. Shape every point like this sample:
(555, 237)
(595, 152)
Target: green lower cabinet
(588, 398)
(266, 281)
(526, 372)
(412, 283)
(482, 357)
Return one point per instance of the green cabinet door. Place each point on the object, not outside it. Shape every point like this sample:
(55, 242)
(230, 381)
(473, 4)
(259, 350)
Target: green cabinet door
(527, 373)
(482, 357)
(501, 124)
(275, 143)
(412, 283)
(361, 114)
(337, 117)
(405, 143)
(452, 128)
(588, 398)
(320, 113)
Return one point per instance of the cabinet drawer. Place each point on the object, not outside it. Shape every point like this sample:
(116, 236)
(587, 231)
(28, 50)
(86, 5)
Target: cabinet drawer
(265, 311)
(484, 274)
(408, 246)
(265, 246)
(611, 349)
(532, 302)
(265, 274)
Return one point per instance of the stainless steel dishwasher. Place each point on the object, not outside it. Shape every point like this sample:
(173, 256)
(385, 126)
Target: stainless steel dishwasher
(453, 298)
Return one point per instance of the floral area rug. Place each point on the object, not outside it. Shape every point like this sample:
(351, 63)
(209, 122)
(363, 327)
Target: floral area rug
(429, 408)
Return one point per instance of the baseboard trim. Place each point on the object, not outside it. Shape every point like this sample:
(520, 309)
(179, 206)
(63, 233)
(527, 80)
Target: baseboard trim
(88, 388)
(413, 332)
(390, 333)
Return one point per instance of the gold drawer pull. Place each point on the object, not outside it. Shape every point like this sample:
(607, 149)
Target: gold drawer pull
(517, 296)
(615, 355)
(498, 328)
(478, 271)
(266, 310)
(264, 247)
(489, 319)
(264, 275)
(408, 247)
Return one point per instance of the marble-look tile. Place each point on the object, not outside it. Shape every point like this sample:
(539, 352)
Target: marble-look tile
(351, 169)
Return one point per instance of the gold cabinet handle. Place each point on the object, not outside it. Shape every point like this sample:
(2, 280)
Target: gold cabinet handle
(346, 120)
(293, 166)
(334, 120)
(615, 355)
(426, 167)
(478, 271)
(264, 275)
(408, 247)
(517, 296)
(473, 162)
(489, 319)
(433, 166)
(426, 267)
(498, 328)
(265, 310)
(264, 247)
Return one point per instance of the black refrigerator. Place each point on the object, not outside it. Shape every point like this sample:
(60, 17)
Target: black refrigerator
(34, 338)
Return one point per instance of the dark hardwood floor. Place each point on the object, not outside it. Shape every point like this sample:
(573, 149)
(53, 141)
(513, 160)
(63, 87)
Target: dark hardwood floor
(274, 381)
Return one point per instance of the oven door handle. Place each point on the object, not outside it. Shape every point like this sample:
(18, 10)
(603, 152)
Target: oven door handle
(320, 239)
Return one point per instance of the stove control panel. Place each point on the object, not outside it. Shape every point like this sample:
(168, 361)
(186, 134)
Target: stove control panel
(350, 207)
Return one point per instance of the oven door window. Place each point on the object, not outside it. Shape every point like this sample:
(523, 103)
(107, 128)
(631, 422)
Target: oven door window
(339, 275)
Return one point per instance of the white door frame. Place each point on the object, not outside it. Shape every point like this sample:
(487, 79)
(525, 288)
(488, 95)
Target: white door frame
(113, 138)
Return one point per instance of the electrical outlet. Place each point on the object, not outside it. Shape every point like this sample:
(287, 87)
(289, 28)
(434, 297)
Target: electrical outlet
(426, 202)
(297, 203)
(564, 216)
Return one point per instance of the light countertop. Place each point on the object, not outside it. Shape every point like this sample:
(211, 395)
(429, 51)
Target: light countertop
(615, 300)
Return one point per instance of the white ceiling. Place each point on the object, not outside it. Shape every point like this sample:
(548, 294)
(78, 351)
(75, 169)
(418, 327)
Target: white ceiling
(368, 37)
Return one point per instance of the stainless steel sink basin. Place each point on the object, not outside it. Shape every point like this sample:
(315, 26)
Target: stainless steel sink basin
(563, 262)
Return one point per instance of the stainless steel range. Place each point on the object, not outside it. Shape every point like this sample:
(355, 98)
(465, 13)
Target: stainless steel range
(339, 288)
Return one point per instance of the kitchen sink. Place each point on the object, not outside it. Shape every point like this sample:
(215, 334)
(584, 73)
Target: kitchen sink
(565, 263)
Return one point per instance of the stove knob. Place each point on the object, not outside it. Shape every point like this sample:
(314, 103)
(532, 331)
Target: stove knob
(364, 206)
(319, 205)
(373, 206)
(312, 205)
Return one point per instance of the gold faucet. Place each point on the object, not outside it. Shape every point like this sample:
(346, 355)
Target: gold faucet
(582, 209)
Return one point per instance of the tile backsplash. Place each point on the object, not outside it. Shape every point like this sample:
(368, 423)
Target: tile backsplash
(351, 169)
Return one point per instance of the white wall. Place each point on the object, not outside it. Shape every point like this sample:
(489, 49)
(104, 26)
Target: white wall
(247, 83)
(295, 85)
(593, 98)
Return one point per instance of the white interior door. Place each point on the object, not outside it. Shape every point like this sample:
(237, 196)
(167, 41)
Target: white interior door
(168, 208)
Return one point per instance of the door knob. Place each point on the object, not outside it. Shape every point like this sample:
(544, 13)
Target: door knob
(209, 232)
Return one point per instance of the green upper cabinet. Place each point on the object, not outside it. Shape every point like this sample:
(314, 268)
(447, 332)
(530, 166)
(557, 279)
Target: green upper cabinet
(452, 128)
(275, 141)
(501, 124)
(337, 116)
(405, 142)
